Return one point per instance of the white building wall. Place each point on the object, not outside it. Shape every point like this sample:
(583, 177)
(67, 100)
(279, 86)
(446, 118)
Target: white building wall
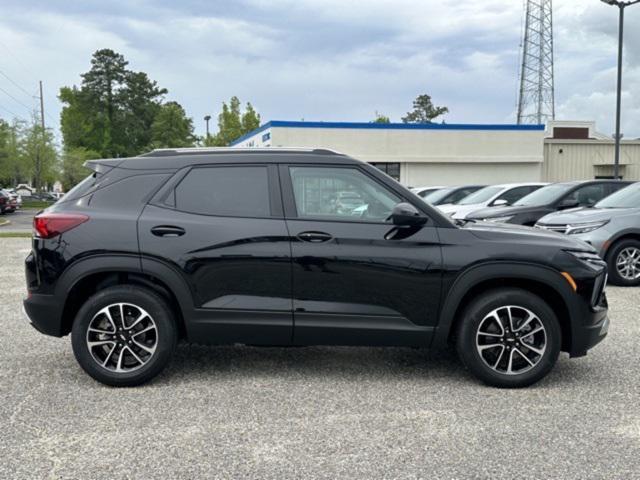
(430, 157)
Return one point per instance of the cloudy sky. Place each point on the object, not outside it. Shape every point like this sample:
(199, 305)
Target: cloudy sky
(331, 60)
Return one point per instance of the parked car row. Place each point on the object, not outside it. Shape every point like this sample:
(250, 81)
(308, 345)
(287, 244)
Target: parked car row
(602, 213)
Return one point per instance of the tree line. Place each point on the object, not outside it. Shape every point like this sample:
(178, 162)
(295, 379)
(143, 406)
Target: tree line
(118, 112)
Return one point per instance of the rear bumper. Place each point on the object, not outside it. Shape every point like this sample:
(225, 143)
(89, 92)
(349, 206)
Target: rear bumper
(43, 311)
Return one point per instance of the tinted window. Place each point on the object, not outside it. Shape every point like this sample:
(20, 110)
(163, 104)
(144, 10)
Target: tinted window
(232, 191)
(545, 195)
(438, 195)
(461, 194)
(515, 194)
(588, 195)
(340, 193)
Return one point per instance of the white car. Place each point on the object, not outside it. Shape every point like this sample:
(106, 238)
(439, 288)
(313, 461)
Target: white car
(491, 196)
(424, 191)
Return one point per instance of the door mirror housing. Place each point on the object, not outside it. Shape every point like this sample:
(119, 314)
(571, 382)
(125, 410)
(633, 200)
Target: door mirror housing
(500, 202)
(406, 215)
(569, 203)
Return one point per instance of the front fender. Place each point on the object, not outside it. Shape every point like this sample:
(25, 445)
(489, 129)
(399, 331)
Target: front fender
(478, 274)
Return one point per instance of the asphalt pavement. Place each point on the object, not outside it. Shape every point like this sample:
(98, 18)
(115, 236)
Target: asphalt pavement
(335, 412)
(19, 221)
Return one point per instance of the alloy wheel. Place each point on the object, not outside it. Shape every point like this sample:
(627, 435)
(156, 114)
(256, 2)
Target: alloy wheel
(511, 340)
(122, 337)
(628, 263)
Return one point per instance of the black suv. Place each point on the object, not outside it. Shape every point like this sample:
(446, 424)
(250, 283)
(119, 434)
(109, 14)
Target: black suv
(230, 246)
(552, 198)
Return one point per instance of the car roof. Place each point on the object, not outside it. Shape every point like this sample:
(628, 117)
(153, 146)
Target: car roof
(174, 159)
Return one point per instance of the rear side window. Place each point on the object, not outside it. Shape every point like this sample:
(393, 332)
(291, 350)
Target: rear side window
(81, 188)
(228, 191)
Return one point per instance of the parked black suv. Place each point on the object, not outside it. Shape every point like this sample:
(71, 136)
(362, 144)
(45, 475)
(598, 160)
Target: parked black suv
(552, 198)
(229, 246)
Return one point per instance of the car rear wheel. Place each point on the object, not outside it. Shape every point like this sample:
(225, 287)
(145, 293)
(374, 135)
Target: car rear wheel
(623, 261)
(124, 335)
(509, 338)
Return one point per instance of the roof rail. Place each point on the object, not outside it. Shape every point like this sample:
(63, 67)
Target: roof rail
(172, 152)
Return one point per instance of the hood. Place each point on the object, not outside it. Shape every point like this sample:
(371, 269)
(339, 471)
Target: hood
(491, 212)
(447, 208)
(583, 215)
(506, 232)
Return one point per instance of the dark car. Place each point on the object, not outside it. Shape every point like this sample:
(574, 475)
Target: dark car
(552, 198)
(150, 250)
(8, 202)
(447, 195)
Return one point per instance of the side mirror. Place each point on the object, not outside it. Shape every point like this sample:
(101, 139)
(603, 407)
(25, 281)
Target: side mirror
(569, 203)
(501, 202)
(406, 215)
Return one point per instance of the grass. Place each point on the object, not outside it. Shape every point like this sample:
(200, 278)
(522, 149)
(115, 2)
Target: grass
(15, 234)
(39, 204)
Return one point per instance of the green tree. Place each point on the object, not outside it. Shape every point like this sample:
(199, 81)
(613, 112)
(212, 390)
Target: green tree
(381, 118)
(73, 169)
(113, 109)
(39, 155)
(232, 123)
(172, 128)
(13, 169)
(424, 111)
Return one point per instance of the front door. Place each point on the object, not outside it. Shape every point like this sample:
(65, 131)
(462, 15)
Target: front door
(356, 278)
(221, 227)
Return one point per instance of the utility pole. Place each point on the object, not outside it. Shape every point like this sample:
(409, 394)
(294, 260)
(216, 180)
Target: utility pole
(618, 136)
(206, 119)
(41, 110)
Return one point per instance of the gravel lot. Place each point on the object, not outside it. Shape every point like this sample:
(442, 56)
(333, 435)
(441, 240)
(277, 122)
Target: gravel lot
(313, 412)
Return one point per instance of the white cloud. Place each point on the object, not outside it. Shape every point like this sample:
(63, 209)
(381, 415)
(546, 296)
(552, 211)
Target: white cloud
(326, 59)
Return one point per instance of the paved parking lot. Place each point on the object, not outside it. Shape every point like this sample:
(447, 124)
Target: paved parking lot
(19, 221)
(313, 412)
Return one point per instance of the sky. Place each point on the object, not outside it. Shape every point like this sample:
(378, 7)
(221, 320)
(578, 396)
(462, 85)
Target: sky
(327, 60)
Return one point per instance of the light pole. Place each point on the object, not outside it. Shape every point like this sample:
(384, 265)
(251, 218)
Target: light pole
(208, 117)
(621, 6)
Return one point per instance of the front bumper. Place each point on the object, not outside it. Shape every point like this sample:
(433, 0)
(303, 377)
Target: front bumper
(44, 313)
(591, 333)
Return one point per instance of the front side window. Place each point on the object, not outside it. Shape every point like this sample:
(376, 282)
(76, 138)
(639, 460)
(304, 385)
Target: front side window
(340, 194)
(228, 191)
(588, 195)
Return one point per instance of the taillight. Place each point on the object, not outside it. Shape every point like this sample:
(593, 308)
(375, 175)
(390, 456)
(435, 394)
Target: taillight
(49, 225)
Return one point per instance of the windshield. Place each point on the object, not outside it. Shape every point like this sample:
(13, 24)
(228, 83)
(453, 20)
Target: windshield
(628, 197)
(545, 195)
(438, 195)
(480, 196)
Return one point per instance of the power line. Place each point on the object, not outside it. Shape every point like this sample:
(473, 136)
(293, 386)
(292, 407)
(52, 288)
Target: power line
(11, 113)
(14, 83)
(16, 100)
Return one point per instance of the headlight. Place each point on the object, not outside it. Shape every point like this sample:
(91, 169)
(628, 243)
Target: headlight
(576, 228)
(499, 219)
(591, 259)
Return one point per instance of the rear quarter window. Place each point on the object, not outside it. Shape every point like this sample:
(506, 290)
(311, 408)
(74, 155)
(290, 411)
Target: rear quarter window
(128, 192)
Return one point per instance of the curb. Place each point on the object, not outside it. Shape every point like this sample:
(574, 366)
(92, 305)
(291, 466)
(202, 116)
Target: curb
(5, 222)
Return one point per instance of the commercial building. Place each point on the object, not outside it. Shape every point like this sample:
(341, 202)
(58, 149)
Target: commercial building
(450, 154)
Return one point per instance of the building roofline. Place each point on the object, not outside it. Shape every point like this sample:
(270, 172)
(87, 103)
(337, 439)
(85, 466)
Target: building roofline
(387, 126)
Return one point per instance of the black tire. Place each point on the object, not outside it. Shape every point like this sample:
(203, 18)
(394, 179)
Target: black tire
(612, 259)
(164, 337)
(475, 314)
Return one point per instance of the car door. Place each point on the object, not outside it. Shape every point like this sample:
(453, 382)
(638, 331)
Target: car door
(221, 227)
(356, 278)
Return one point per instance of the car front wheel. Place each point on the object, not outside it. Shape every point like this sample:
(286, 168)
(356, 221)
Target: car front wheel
(623, 261)
(509, 338)
(124, 335)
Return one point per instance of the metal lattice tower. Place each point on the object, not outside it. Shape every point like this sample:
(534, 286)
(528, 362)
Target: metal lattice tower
(536, 102)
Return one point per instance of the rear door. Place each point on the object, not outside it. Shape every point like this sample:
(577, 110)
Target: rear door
(357, 280)
(221, 227)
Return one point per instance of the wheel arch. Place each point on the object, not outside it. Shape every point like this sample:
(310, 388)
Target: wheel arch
(626, 234)
(95, 273)
(542, 281)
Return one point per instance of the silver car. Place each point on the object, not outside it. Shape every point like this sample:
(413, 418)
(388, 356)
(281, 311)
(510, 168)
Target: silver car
(612, 226)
